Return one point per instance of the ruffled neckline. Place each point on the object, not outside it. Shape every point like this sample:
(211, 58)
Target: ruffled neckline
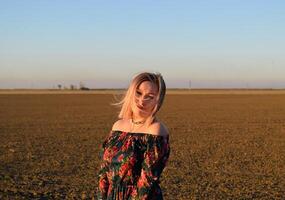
(140, 133)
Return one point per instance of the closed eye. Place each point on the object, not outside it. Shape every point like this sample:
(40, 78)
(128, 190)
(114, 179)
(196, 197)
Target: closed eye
(146, 97)
(138, 93)
(149, 97)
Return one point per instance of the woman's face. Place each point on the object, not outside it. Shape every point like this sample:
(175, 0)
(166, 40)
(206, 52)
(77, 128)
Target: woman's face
(145, 99)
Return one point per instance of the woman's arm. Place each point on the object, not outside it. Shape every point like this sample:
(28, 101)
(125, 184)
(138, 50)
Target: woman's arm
(155, 159)
(103, 183)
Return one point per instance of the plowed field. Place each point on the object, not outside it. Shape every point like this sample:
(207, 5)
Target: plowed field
(223, 146)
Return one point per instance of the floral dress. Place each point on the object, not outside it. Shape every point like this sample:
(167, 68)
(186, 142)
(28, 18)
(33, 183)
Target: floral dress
(131, 166)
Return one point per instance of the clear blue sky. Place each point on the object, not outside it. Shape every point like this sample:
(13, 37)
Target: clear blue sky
(214, 43)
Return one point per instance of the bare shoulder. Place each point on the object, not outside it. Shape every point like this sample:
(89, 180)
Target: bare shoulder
(120, 124)
(158, 128)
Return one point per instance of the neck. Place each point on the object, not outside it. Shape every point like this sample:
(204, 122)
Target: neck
(138, 119)
(137, 122)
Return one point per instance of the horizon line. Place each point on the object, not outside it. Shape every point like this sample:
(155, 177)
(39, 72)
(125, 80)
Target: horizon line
(172, 88)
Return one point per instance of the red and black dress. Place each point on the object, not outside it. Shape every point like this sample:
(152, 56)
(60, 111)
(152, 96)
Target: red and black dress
(131, 166)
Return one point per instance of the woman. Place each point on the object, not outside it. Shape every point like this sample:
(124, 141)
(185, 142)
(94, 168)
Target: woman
(137, 149)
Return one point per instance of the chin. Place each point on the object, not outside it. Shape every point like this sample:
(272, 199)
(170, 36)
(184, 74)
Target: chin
(141, 113)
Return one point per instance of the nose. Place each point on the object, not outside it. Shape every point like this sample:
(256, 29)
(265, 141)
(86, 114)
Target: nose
(142, 101)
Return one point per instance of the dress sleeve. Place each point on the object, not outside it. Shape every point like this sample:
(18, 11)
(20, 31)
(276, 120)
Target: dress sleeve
(102, 190)
(103, 182)
(154, 160)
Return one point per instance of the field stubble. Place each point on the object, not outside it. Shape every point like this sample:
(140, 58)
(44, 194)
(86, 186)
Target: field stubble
(222, 146)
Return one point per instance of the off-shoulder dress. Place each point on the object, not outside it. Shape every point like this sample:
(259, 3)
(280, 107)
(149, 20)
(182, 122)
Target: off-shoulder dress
(131, 166)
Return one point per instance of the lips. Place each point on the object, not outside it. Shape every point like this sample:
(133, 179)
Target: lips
(140, 107)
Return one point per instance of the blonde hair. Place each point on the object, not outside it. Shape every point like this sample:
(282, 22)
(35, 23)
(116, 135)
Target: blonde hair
(128, 98)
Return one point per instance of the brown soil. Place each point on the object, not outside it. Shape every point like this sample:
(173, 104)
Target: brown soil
(222, 146)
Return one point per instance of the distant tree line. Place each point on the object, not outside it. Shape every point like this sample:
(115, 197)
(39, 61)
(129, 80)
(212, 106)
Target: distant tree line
(73, 87)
